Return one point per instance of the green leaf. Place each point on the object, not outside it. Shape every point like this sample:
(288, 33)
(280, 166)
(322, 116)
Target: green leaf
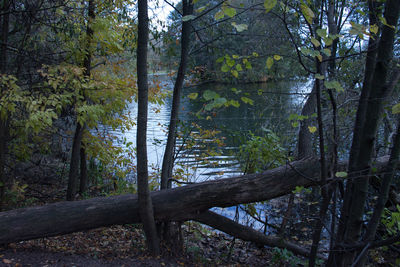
(327, 52)
(188, 17)
(277, 57)
(396, 109)
(357, 29)
(328, 41)
(229, 11)
(219, 15)
(362, 13)
(230, 62)
(220, 59)
(269, 5)
(247, 100)
(315, 42)
(209, 106)
(247, 65)
(373, 29)
(306, 51)
(298, 189)
(312, 129)
(239, 27)
(235, 73)
(334, 85)
(208, 95)
(384, 22)
(201, 9)
(235, 90)
(319, 76)
(270, 62)
(341, 174)
(234, 103)
(239, 67)
(193, 96)
(225, 68)
(322, 33)
(220, 101)
(307, 13)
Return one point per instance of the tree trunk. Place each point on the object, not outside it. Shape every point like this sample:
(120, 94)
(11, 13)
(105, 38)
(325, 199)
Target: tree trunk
(168, 159)
(177, 204)
(145, 201)
(83, 175)
(360, 165)
(78, 152)
(246, 233)
(304, 144)
(87, 63)
(360, 118)
(74, 163)
(3, 121)
(383, 191)
(167, 166)
(170, 204)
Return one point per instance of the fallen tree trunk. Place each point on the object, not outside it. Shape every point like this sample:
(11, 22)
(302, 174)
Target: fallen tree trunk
(246, 233)
(172, 204)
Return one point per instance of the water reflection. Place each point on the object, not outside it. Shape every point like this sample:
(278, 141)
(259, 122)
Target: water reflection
(272, 104)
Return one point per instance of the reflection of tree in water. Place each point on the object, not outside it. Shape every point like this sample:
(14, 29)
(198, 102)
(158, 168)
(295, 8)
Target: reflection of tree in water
(269, 110)
(272, 105)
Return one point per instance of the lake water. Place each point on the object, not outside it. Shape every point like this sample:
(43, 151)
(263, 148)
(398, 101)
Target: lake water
(272, 104)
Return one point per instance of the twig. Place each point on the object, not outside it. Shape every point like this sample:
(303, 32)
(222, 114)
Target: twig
(179, 182)
(361, 255)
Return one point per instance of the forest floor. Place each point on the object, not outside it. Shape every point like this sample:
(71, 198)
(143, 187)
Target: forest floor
(124, 246)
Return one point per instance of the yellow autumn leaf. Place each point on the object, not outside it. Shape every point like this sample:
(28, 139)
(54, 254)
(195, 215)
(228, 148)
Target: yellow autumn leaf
(396, 109)
(315, 42)
(270, 62)
(373, 29)
(312, 129)
(307, 12)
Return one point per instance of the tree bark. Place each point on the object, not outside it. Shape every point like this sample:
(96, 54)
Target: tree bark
(360, 118)
(304, 144)
(83, 174)
(167, 164)
(74, 163)
(177, 204)
(3, 121)
(78, 152)
(170, 204)
(87, 64)
(360, 165)
(246, 233)
(145, 201)
(383, 192)
(168, 159)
